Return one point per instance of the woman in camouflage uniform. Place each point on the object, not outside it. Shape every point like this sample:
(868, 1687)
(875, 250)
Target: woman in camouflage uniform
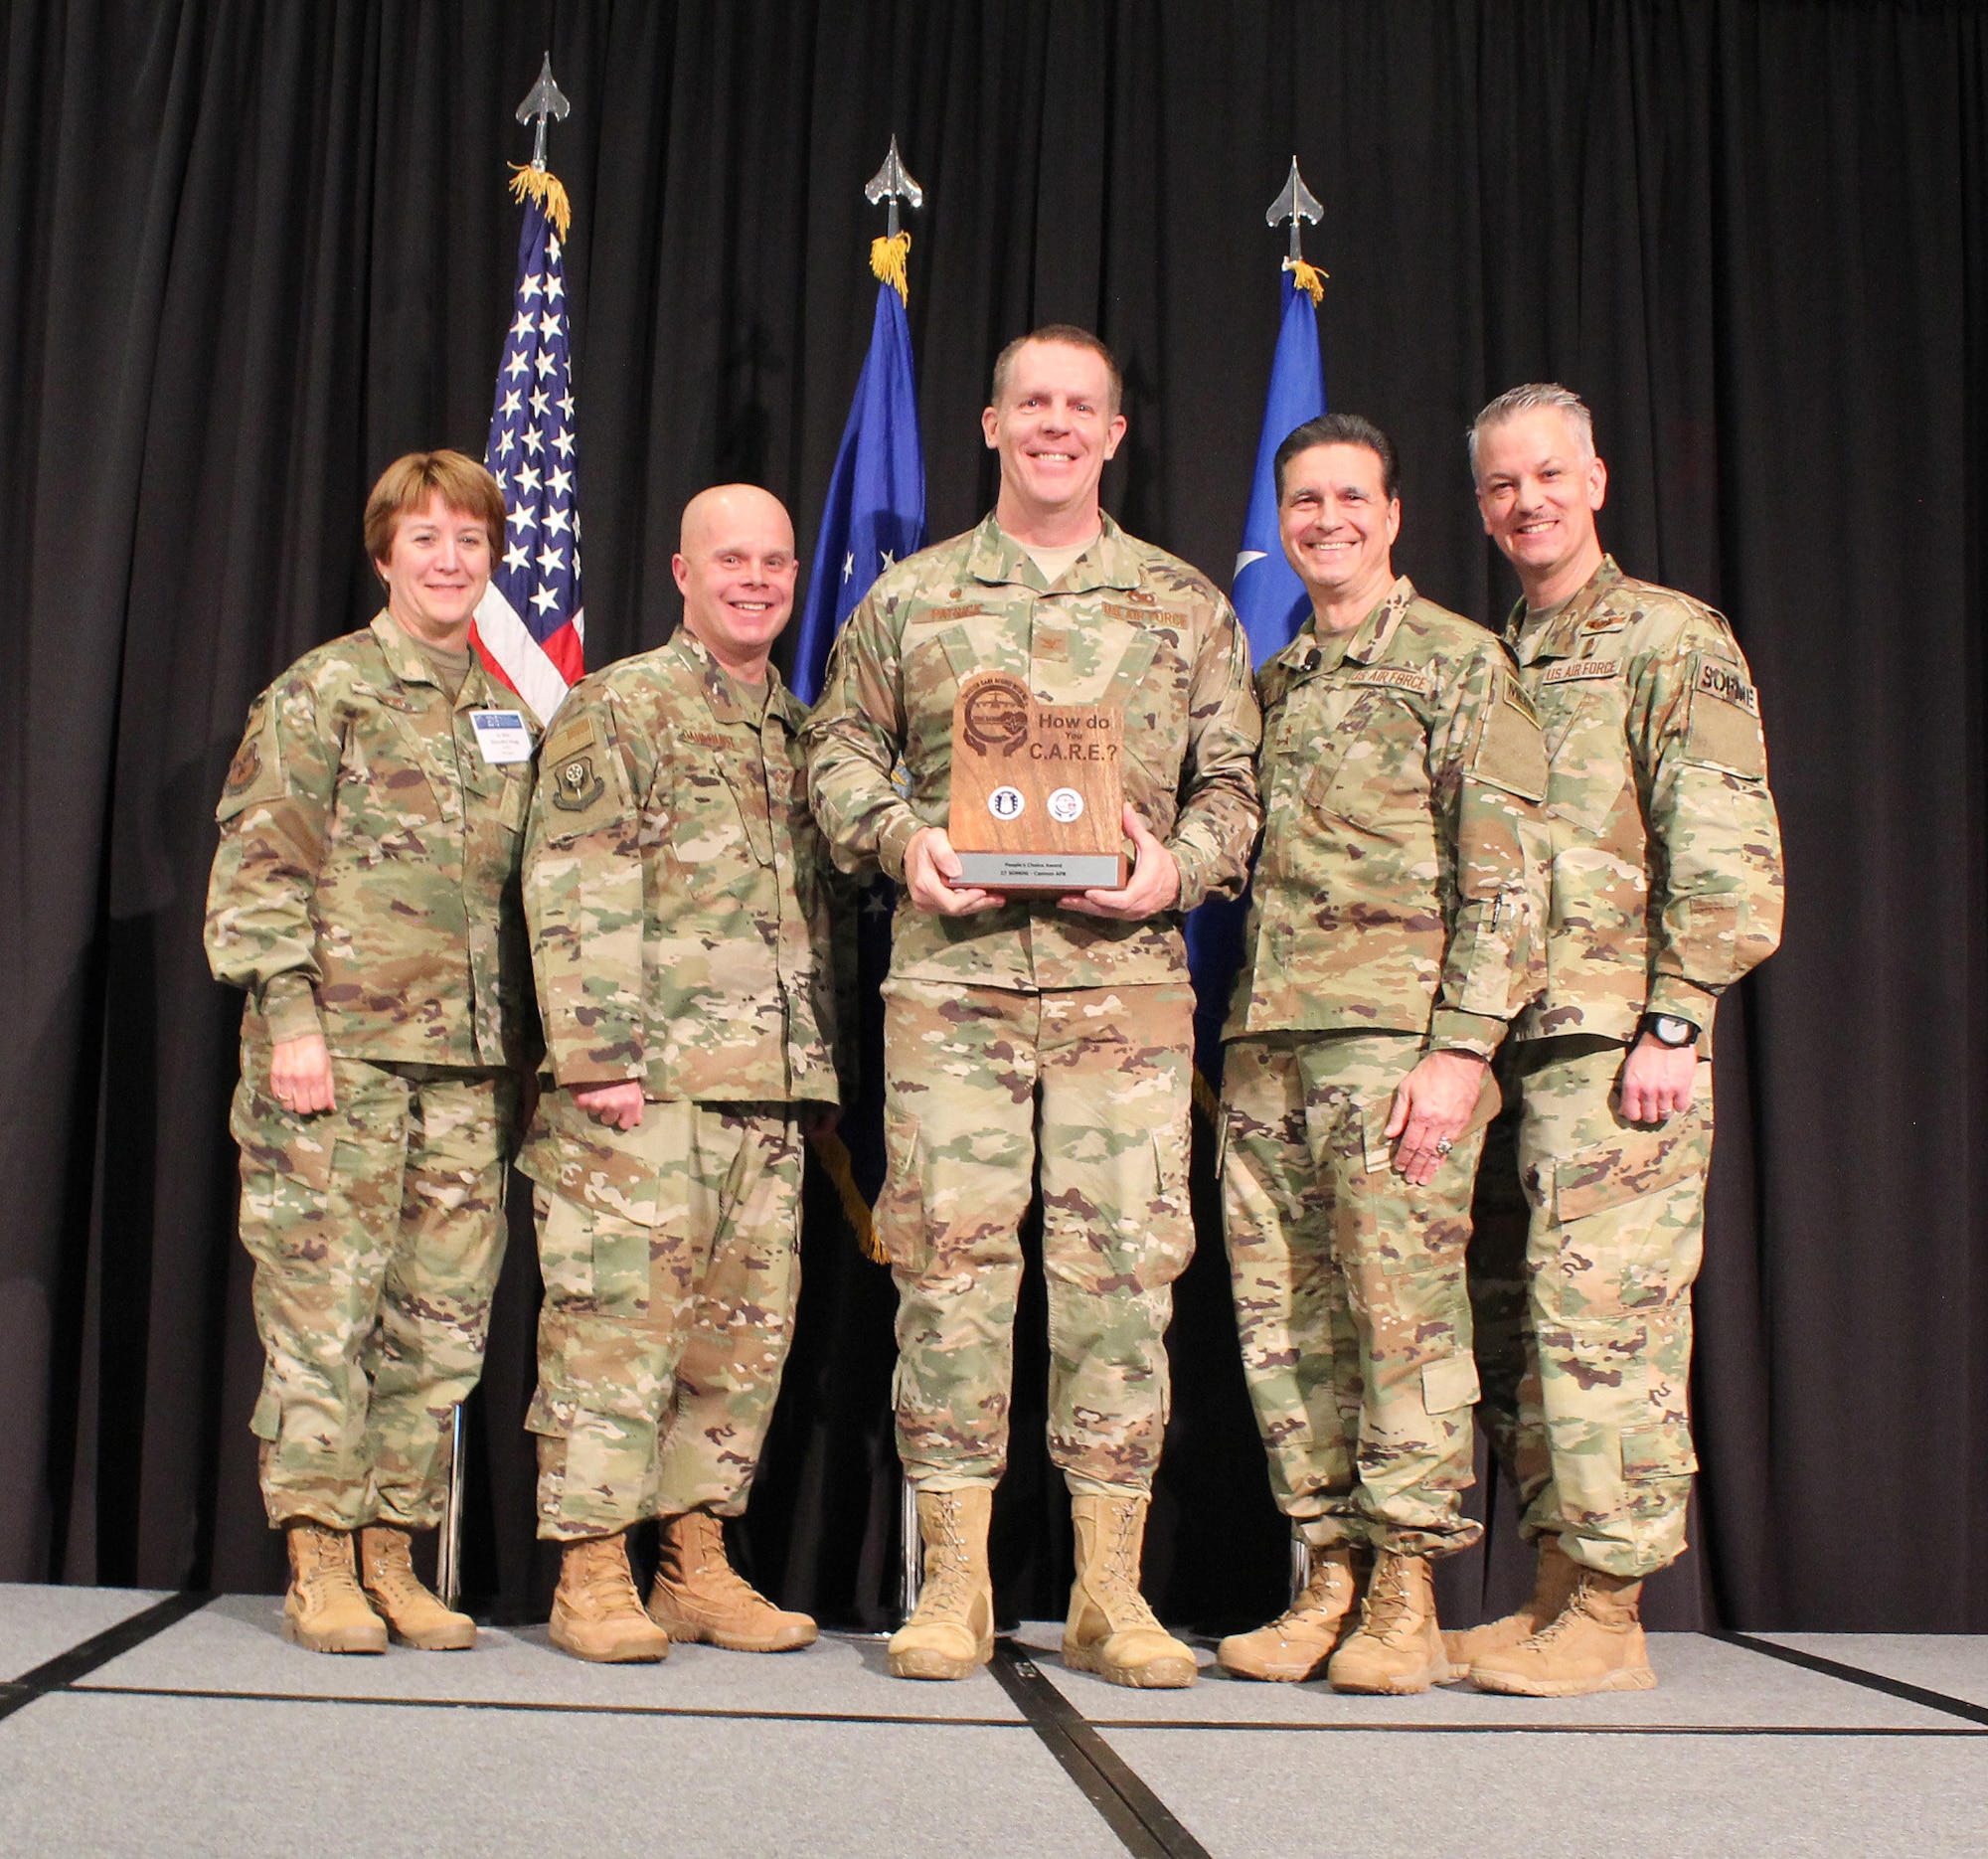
(366, 897)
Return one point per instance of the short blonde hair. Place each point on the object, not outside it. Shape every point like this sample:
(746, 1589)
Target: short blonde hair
(408, 483)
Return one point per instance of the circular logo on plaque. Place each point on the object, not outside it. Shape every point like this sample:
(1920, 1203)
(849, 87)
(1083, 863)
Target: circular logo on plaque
(1065, 805)
(996, 716)
(1006, 803)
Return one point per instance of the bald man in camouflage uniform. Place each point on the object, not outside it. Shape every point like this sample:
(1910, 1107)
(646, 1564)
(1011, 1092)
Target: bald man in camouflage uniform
(364, 894)
(1666, 889)
(677, 892)
(1057, 1029)
(1395, 930)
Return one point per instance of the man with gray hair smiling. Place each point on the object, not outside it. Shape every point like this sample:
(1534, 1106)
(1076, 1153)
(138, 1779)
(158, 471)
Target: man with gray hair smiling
(1666, 889)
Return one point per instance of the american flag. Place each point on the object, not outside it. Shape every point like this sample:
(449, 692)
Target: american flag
(529, 625)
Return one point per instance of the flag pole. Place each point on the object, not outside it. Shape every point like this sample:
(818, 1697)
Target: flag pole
(1297, 203)
(528, 627)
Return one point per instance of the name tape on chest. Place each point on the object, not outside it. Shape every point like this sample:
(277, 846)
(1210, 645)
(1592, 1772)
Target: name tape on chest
(1722, 681)
(1151, 615)
(971, 611)
(501, 736)
(1575, 668)
(1393, 678)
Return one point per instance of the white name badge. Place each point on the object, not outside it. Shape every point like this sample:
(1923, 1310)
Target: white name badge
(501, 735)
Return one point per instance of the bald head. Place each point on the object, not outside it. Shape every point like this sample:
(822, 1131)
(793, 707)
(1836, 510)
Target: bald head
(735, 566)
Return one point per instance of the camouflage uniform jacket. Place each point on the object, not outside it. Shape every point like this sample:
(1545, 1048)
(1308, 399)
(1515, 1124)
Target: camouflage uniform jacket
(1400, 885)
(1129, 626)
(367, 884)
(1666, 884)
(676, 888)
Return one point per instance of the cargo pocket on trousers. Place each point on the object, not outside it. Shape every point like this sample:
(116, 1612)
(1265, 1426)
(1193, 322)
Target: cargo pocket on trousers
(901, 1208)
(1169, 1241)
(1655, 1452)
(1449, 1384)
(1627, 1166)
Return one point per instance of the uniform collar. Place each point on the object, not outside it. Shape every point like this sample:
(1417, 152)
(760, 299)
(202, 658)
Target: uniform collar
(410, 665)
(1110, 562)
(1560, 636)
(717, 682)
(1374, 634)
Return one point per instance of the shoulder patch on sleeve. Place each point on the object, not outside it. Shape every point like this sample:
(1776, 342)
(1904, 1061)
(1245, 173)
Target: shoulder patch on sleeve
(1511, 752)
(1723, 722)
(257, 772)
(578, 777)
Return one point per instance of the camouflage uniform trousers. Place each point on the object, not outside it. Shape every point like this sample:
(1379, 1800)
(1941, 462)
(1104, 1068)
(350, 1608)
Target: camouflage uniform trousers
(963, 1067)
(1589, 1232)
(377, 1230)
(1350, 1296)
(671, 1259)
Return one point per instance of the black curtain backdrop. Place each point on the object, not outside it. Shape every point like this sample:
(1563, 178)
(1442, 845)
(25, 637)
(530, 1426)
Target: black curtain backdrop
(255, 250)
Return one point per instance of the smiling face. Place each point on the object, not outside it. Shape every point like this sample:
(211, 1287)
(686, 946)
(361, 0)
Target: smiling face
(1539, 486)
(1339, 526)
(736, 569)
(435, 570)
(1055, 427)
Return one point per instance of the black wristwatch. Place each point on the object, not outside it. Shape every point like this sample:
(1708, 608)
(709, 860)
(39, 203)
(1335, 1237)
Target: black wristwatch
(1669, 1029)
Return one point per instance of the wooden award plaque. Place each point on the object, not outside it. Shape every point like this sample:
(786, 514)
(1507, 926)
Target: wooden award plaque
(1037, 790)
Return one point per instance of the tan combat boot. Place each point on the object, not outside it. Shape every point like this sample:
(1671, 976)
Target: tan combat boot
(413, 1614)
(951, 1630)
(1296, 1644)
(325, 1609)
(698, 1595)
(1111, 1631)
(1553, 1588)
(1399, 1648)
(1595, 1644)
(597, 1613)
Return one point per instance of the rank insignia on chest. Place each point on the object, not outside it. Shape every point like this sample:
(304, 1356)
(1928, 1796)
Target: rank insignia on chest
(575, 786)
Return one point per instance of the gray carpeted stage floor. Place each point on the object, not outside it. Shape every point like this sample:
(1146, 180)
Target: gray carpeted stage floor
(135, 1723)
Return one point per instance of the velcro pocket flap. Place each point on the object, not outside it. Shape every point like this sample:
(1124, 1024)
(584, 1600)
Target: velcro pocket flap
(1512, 753)
(1627, 1166)
(591, 1170)
(1449, 1384)
(1723, 723)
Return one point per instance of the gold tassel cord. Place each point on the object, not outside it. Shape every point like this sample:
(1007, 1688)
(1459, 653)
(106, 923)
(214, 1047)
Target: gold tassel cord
(1205, 1098)
(886, 262)
(544, 186)
(833, 1154)
(1308, 278)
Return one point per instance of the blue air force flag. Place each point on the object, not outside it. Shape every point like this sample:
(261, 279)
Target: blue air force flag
(875, 514)
(1271, 604)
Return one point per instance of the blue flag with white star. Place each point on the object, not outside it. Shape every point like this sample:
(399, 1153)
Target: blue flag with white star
(1271, 604)
(875, 515)
(1266, 594)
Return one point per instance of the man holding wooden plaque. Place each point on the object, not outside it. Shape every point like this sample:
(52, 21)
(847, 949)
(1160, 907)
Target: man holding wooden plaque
(1073, 712)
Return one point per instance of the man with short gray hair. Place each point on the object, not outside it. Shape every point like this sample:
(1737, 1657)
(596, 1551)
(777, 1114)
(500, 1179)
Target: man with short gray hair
(1666, 889)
